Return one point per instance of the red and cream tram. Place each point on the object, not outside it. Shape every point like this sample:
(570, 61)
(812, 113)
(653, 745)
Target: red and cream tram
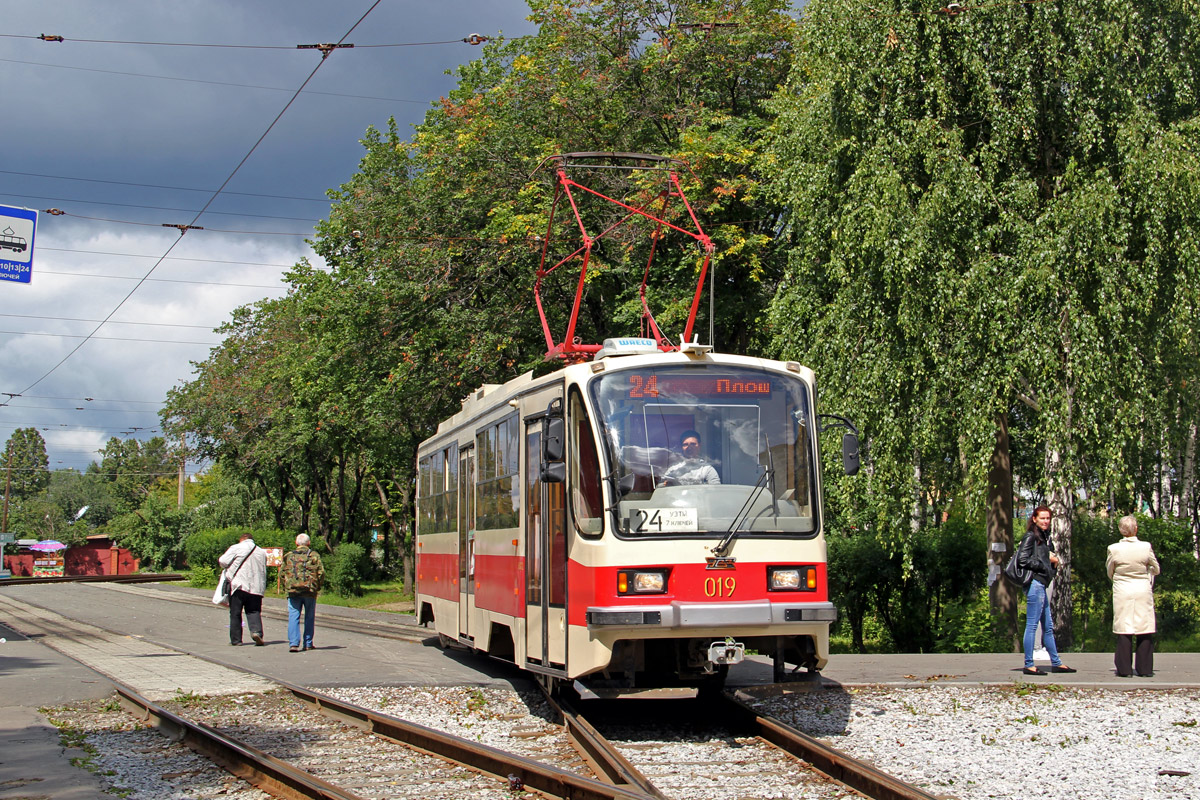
(561, 525)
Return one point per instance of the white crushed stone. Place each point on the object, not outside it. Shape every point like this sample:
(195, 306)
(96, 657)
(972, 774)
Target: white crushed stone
(136, 761)
(1006, 742)
(969, 743)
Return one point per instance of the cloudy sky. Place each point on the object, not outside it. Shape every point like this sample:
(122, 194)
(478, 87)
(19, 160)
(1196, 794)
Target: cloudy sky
(126, 128)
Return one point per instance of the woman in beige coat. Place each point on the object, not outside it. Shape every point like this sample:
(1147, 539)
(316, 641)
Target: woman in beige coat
(1131, 567)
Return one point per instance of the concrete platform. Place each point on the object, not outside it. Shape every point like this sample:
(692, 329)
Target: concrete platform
(32, 762)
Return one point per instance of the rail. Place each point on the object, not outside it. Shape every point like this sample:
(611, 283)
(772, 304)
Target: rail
(841, 767)
(600, 754)
(137, 577)
(505, 766)
(274, 776)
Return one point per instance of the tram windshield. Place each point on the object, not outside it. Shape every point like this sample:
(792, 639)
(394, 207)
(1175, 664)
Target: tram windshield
(708, 448)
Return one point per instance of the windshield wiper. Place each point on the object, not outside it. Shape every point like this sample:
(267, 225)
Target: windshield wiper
(723, 546)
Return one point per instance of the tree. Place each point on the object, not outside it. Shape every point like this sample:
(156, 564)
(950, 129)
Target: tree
(26, 464)
(994, 215)
(131, 467)
(323, 396)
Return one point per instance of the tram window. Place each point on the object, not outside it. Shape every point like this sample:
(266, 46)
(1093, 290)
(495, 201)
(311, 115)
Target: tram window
(497, 486)
(533, 525)
(450, 489)
(437, 492)
(586, 506)
(423, 482)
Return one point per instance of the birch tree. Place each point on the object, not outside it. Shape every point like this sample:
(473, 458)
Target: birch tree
(994, 211)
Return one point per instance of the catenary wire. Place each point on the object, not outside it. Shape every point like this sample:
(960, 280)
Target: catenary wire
(211, 199)
(189, 226)
(213, 83)
(171, 258)
(161, 186)
(57, 39)
(92, 335)
(158, 208)
(161, 280)
(111, 321)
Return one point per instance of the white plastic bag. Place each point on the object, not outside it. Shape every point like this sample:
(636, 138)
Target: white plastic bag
(221, 595)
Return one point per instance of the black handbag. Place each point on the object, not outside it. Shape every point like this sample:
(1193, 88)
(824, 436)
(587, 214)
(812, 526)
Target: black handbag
(1018, 575)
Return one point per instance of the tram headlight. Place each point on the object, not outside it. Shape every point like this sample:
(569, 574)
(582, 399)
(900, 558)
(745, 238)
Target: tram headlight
(631, 581)
(792, 579)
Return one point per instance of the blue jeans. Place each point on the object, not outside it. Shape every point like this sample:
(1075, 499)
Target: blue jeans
(1037, 609)
(309, 605)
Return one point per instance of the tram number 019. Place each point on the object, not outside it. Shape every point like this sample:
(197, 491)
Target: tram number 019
(720, 587)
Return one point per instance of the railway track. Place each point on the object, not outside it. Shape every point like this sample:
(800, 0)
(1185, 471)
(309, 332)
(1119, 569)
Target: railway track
(750, 755)
(138, 577)
(720, 747)
(250, 738)
(298, 743)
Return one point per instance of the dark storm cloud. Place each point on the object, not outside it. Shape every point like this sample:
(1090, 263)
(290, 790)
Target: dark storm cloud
(102, 116)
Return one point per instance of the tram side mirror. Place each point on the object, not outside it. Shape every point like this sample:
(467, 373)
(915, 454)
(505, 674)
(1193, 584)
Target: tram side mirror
(850, 453)
(553, 429)
(555, 472)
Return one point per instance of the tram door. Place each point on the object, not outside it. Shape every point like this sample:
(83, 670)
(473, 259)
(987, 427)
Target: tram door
(466, 540)
(545, 561)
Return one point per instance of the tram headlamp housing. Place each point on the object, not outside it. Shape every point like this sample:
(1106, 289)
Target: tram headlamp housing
(642, 581)
(792, 579)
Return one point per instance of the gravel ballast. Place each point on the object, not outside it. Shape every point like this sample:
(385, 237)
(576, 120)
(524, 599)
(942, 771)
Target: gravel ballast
(1019, 741)
(1025, 740)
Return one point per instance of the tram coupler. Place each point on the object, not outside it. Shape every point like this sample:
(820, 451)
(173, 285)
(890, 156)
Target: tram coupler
(723, 654)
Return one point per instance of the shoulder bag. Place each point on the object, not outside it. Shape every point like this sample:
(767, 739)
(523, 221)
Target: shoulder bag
(1022, 576)
(225, 585)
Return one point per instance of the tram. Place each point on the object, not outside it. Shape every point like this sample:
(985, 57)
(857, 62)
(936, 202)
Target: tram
(640, 518)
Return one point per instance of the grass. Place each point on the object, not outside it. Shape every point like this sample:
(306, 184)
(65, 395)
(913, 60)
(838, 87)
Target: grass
(1088, 639)
(377, 595)
(380, 596)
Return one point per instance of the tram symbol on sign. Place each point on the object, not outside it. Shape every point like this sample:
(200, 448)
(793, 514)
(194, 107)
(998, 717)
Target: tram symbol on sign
(10, 241)
(18, 227)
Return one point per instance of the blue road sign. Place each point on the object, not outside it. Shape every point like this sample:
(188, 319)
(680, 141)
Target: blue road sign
(17, 226)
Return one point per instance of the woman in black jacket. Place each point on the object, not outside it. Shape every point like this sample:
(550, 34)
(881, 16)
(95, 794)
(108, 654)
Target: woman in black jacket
(1037, 555)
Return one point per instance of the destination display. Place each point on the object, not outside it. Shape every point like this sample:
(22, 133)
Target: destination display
(674, 385)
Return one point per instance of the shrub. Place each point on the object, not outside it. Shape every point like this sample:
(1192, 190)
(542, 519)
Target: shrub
(1177, 613)
(967, 627)
(204, 547)
(347, 568)
(204, 577)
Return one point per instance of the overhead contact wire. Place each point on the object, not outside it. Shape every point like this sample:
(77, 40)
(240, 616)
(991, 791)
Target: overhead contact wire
(210, 201)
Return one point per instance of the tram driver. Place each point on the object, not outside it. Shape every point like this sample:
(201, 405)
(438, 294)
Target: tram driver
(693, 469)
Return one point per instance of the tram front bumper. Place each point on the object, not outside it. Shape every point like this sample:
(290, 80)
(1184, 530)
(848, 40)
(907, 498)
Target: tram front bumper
(709, 615)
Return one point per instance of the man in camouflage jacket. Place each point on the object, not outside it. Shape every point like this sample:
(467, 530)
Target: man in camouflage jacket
(303, 575)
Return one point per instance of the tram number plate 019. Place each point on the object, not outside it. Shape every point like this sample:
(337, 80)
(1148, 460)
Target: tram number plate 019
(662, 520)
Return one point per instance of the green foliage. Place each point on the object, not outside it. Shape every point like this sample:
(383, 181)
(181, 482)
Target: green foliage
(153, 532)
(202, 548)
(349, 567)
(1177, 613)
(38, 517)
(995, 214)
(73, 492)
(131, 467)
(944, 568)
(966, 627)
(319, 398)
(203, 577)
(26, 464)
